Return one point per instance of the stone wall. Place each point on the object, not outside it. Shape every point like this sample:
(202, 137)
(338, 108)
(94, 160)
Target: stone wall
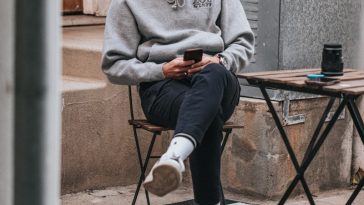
(257, 163)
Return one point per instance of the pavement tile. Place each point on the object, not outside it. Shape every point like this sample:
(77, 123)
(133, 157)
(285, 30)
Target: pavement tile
(124, 196)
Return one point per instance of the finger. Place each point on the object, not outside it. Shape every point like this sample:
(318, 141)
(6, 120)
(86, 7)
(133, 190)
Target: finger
(186, 63)
(195, 70)
(176, 62)
(180, 75)
(181, 69)
(199, 64)
(204, 62)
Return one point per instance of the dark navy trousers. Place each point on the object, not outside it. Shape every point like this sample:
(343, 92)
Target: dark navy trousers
(197, 106)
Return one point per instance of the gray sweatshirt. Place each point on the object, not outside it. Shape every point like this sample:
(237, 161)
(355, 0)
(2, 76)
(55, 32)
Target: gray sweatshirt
(142, 35)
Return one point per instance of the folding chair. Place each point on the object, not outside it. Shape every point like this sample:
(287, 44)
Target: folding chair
(157, 131)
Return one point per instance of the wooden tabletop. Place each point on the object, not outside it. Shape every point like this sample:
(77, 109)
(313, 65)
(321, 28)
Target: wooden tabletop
(352, 82)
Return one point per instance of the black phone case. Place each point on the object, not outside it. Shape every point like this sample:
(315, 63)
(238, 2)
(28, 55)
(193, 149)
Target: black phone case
(321, 83)
(193, 54)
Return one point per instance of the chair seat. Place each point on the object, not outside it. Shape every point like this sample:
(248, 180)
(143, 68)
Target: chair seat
(231, 125)
(146, 125)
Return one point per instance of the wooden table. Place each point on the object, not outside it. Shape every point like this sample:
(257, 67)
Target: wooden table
(347, 91)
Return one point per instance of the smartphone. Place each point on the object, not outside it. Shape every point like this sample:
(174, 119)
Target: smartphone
(193, 54)
(322, 81)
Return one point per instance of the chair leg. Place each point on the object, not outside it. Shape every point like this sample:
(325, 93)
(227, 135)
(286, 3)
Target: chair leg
(140, 159)
(224, 141)
(144, 168)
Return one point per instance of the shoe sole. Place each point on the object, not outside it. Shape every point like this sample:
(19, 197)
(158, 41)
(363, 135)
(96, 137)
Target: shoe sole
(165, 180)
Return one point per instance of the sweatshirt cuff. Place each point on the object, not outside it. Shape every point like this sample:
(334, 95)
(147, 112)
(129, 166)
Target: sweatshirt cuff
(227, 60)
(156, 72)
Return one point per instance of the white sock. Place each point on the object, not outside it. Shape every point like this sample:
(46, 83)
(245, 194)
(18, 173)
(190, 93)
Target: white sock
(180, 147)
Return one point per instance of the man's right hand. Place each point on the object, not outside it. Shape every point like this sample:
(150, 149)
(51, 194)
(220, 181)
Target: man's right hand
(177, 68)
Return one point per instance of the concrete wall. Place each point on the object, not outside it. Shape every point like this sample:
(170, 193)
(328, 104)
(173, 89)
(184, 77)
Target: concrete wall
(358, 148)
(256, 161)
(6, 101)
(307, 25)
(98, 145)
(98, 148)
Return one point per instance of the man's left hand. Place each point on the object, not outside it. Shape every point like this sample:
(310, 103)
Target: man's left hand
(197, 67)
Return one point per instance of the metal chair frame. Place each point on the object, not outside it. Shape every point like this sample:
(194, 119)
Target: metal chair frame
(157, 131)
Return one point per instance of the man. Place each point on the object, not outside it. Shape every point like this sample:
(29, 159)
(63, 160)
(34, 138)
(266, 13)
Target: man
(143, 42)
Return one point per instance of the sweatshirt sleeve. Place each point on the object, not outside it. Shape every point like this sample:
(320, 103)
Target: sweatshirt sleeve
(121, 41)
(237, 35)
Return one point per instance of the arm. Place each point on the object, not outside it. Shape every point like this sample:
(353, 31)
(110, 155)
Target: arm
(121, 42)
(237, 35)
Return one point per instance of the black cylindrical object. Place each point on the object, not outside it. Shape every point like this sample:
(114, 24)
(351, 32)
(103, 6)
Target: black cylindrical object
(332, 61)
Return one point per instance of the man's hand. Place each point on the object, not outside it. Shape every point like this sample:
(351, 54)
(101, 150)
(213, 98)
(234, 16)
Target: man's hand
(197, 67)
(177, 68)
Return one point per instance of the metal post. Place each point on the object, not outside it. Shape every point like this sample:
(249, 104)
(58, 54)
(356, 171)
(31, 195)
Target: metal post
(6, 101)
(37, 102)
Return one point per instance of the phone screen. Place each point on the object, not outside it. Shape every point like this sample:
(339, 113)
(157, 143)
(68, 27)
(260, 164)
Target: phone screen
(193, 54)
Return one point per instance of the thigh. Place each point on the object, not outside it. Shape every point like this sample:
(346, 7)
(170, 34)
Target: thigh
(161, 101)
(226, 82)
(231, 97)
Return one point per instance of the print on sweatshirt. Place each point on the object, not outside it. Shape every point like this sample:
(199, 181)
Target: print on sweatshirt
(202, 3)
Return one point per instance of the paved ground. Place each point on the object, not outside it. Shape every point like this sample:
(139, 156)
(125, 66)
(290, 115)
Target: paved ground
(124, 195)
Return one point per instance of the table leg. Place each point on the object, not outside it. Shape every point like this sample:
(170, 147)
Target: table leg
(356, 192)
(318, 128)
(317, 146)
(357, 119)
(289, 149)
(358, 122)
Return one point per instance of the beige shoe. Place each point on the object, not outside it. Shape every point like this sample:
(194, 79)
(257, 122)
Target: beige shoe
(165, 176)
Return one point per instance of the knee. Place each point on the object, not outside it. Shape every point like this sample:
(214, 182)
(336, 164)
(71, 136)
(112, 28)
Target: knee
(216, 69)
(215, 72)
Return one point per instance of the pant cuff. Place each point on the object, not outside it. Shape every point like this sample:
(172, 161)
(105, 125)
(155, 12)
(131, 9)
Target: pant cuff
(189, 137)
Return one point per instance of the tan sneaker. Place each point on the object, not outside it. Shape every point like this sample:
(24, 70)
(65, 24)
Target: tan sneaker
(165, 176)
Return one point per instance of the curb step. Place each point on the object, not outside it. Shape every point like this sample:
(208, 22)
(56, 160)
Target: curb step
(82, 20)
(82, 52)
(70, 84)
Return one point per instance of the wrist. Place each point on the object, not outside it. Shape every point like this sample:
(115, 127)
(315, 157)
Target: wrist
(222, 60)
(164, 70)
(216, 59)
